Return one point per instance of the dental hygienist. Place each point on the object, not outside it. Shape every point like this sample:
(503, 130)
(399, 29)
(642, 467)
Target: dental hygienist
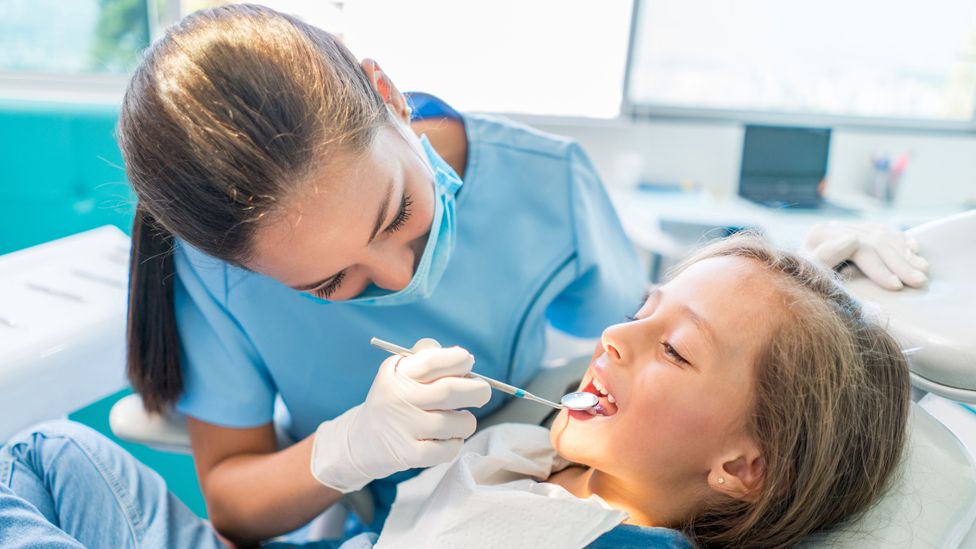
(288, 212)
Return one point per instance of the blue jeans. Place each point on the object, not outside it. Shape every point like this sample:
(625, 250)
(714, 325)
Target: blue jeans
(65, 485)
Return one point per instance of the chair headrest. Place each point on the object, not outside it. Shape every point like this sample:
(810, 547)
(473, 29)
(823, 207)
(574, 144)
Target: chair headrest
(934, 324)
(930, 503)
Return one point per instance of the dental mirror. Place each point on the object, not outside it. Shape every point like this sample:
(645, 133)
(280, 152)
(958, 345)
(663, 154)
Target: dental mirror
(579, 401)
(498, 385)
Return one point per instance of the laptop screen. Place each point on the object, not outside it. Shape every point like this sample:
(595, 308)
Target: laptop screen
(783, 164)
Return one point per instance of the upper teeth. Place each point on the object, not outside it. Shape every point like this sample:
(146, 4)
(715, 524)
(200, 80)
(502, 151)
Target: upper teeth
(599, 386)
(602, 390)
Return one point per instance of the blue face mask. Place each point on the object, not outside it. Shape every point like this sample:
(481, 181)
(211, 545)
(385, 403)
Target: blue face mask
(437, 252)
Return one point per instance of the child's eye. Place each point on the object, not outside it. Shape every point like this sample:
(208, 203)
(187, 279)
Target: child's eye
(633, 317)
(643, 302)
(673, 354)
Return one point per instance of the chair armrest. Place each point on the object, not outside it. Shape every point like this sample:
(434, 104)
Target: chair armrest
(131, 422)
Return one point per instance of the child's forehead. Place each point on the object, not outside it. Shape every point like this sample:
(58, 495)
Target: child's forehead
(733, 293)
(723, 271)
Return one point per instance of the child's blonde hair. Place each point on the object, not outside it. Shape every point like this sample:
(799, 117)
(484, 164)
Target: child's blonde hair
(830, 409)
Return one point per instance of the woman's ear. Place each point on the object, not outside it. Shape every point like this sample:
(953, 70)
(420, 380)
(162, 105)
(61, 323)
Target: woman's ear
(387, 90)
(739, 474)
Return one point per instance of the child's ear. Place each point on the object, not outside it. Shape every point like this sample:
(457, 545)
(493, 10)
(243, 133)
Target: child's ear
(739, 474)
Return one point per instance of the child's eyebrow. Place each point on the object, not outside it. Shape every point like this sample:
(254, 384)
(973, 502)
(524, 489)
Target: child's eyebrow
(700, 322)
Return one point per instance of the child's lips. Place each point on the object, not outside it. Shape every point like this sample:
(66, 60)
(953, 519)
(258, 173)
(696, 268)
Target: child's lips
(606, 401)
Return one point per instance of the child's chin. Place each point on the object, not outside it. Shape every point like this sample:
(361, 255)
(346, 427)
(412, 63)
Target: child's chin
(570, 442)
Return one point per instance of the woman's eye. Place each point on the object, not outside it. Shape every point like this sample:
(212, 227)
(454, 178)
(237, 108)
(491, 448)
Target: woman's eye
(673, 354)
(325, 292)
(402, 216)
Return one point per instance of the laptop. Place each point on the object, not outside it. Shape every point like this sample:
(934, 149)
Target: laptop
(785, 167)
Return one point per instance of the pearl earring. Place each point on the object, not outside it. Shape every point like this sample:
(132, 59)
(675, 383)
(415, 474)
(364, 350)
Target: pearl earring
(721, 480)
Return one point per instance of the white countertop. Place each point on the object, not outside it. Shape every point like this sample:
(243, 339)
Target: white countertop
(666, 223)
(62, 326)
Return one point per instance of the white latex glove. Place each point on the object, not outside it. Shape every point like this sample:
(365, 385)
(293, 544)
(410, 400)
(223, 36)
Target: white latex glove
(410, 419)
(885, 255)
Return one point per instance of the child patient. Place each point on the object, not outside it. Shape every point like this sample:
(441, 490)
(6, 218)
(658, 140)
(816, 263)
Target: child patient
(748, 403)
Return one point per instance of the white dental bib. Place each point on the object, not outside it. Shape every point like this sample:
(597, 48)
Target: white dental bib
(488, 497)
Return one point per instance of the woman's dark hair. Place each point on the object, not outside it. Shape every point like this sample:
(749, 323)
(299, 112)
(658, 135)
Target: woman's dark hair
(227, 115)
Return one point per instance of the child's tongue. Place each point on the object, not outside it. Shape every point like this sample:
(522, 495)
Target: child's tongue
(604, 407)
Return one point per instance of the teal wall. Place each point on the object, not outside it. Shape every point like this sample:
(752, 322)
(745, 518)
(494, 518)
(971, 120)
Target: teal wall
(60, 174)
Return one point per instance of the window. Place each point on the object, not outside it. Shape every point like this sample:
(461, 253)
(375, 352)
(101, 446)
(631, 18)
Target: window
(76, 37)
(556, 57)
(877, 59)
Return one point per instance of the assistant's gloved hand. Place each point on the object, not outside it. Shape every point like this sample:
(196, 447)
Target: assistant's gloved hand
(410, 419)
(885, 255)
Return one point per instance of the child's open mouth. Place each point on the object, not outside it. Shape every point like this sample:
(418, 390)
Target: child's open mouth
(607, 405)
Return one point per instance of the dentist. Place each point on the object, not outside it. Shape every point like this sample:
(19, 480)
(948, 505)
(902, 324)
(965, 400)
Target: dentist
(288, 211)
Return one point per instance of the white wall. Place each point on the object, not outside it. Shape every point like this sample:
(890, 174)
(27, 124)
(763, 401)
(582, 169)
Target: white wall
(942, 170)
(941, 173)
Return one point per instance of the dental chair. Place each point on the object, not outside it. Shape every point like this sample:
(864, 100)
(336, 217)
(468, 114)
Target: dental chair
(932, 503)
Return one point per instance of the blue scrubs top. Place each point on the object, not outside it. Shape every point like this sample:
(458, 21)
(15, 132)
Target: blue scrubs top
(537, 241)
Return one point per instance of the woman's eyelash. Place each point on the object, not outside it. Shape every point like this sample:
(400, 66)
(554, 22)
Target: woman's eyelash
(402, 216)
(669, 350)
(326, 291)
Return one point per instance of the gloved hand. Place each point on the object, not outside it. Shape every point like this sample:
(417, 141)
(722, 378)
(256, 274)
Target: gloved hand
(885, 255)
(410, 419)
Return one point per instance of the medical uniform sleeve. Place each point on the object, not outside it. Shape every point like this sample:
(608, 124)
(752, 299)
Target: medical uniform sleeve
(609, 278)
(225, 382)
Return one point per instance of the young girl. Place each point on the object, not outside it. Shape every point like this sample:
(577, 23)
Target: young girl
(749, 403)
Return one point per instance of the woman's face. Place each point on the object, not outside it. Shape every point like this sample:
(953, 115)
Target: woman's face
(682, 376)
(362, 219)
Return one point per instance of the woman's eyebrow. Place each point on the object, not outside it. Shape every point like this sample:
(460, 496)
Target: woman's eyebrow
(376, 229)
(381, 215)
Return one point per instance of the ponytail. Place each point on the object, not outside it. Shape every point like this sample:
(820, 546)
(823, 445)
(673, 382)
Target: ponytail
(153, 341)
